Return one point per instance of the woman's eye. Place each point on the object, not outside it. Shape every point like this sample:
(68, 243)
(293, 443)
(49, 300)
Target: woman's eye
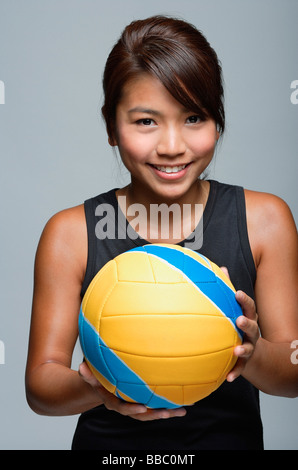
(193, 119)
(145, 122)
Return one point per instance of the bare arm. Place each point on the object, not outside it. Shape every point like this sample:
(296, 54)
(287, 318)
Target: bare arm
(52, 387)
(273, 237)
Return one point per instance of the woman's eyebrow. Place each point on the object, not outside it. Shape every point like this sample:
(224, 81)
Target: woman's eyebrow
(140, 109)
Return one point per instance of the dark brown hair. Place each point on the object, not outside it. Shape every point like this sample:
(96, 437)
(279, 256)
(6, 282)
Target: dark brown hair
(177, 54)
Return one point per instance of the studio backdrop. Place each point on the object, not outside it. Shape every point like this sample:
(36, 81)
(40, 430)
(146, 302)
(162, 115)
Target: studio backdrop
(55, 154)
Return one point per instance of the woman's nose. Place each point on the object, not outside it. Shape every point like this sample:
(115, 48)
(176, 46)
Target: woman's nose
(171, 143)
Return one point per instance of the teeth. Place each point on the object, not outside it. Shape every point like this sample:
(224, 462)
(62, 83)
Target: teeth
(170, 169)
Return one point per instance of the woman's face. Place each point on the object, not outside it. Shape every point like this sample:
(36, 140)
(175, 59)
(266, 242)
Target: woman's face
(164, 146)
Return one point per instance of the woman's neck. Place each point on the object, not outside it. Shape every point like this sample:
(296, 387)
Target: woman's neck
(163, 221)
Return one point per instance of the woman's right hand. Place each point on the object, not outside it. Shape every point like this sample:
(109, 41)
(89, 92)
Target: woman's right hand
(134, 410)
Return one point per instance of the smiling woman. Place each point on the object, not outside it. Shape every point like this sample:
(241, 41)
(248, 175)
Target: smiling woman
(165, 147)
(164, 110)
(192, 76)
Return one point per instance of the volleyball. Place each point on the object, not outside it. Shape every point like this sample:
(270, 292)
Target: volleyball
(157, 326)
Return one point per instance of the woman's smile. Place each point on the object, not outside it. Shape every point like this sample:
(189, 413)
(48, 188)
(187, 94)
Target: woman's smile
(164, 146)
(168, 172)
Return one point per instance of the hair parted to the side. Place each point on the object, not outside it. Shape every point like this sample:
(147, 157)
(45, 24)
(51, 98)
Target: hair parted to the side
(176, 53)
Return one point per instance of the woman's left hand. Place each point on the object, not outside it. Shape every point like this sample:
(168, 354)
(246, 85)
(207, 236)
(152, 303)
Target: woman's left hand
(248, 323)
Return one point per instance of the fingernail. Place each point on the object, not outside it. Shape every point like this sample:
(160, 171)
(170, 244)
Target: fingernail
(142, 409)
(243, 322)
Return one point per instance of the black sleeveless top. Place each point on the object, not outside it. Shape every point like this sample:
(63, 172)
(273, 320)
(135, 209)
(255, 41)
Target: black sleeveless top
(229, 418)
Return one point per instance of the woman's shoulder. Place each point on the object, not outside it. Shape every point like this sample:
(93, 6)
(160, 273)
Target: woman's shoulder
(66, 223)
(266, 207)
(270, 222)
(64, 239)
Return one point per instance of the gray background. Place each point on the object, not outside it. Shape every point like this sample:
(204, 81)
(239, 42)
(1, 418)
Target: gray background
(54, 151)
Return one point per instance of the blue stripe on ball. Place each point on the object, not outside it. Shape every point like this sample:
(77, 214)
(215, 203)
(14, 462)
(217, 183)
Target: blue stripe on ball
(197, 273)
(129, 383)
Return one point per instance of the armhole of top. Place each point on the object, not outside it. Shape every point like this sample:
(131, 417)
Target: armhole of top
(89, 274)
(243, 233)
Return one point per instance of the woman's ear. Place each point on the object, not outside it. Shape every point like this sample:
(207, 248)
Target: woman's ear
(112, 141)
(217, 135)
(109, 128)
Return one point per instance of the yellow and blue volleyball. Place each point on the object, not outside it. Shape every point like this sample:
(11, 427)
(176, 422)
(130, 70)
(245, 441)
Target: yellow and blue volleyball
(157, 326)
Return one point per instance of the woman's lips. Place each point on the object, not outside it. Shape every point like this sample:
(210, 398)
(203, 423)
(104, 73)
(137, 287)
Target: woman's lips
(170, 172)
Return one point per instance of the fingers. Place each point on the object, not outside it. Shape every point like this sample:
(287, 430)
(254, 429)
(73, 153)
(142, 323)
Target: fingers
(236, 371)
(247, 304)
(248, 324)
(87, 375)
(140, 412)
(137, 411)
(160, 414)
(113, 403)
(134, 410)
(225, 271)
(84, 370)
(251, 335)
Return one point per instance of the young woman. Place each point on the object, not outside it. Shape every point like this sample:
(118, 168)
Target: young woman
(164, 111)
